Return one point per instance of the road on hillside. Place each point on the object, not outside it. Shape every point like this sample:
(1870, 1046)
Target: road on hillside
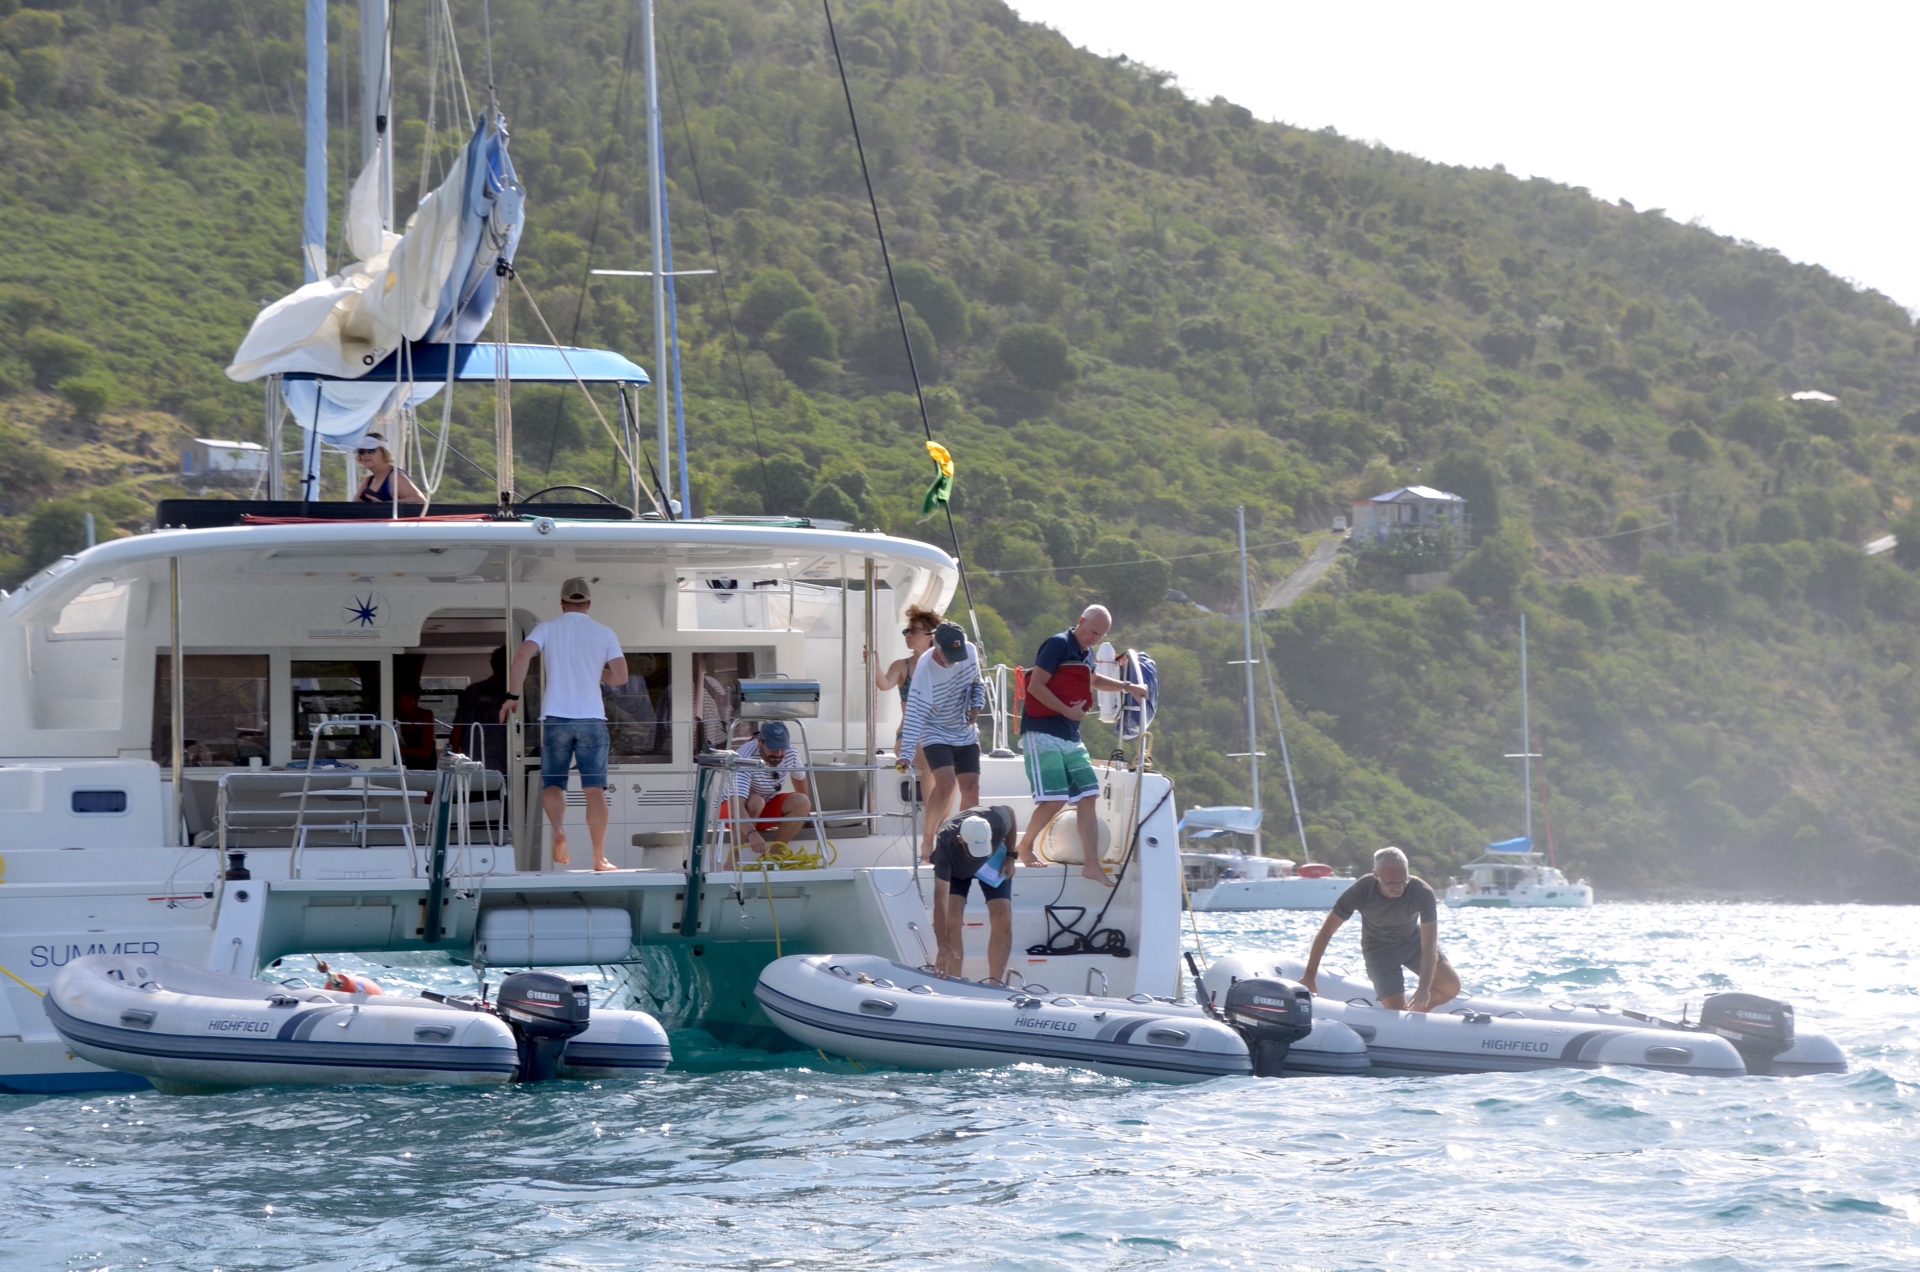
(1295, 585)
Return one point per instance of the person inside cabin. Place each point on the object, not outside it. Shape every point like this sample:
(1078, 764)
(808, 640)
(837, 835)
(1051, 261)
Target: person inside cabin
(946, 696)
(770, 814)
(577, 655)
(477, 731)
(976, 843)
(1399, 929)
(384, 482)
(412, 718)
(898, 674)
(1060, 690)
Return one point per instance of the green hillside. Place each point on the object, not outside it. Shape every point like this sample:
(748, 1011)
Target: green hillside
(1133, 312)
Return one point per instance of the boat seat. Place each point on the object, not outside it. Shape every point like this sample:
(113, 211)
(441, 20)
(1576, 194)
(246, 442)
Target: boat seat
(842, 798)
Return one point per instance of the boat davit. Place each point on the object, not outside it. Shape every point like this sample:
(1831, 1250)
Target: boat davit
(187, 1029)
(875, 1010)
(1734, 1033)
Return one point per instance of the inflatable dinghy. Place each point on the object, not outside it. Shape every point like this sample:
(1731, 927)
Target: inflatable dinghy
(871, 1009)
(187, 1029)
(1736, 1033)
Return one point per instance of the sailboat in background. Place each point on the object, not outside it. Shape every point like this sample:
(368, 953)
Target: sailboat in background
(1240, 881)
(1512, 875)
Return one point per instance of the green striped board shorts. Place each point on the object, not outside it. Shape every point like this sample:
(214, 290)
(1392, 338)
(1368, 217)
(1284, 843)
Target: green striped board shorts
(1058, 770)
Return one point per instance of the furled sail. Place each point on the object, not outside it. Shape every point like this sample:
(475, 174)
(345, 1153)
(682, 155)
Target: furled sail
(435, 283)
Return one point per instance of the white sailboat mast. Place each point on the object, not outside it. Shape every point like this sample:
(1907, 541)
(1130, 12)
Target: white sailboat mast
(1246, 662)
(1526, 754)
(657, 218)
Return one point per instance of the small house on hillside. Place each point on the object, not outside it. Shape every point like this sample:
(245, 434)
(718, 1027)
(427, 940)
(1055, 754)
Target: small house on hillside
(212, 459)
(1411, 508)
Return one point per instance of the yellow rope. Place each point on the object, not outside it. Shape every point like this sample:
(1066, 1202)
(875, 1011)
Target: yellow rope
(10, 976)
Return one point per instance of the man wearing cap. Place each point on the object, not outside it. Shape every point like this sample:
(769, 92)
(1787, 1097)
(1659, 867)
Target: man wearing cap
(577, 656)
(977, 843)
(943, 699)
(1060, 688)
(776, 814)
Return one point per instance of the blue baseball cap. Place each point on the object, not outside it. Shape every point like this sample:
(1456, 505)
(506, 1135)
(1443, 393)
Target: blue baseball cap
(773, 736)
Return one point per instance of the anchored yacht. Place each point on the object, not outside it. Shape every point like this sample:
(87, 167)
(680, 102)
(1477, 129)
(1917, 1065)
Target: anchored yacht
(254, 798)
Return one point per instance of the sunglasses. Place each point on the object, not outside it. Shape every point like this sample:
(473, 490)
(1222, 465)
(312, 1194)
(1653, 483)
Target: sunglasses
(373, 451)
(915, 631)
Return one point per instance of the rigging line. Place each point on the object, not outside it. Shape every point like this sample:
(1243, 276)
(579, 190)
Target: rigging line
(726, 298)
(598, 414)
(267, 94)
(1101, 565)
(899, 311)
(614, 134)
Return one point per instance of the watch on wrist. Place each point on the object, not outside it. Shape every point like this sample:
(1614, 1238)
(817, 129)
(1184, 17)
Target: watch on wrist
(512, 697)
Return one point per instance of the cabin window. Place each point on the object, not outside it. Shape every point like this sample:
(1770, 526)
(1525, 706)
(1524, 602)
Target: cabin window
(323, 688)
(99, 612)
(640, 712)
(225, 709)
(99, 803)
(716, 693)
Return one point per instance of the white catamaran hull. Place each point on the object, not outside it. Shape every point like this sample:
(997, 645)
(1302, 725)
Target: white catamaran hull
(874, 1010)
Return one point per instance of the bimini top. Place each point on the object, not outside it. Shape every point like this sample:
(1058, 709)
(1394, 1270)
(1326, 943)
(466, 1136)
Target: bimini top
(529, 364)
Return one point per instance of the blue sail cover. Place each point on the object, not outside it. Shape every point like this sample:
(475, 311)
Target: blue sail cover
(1518, 846)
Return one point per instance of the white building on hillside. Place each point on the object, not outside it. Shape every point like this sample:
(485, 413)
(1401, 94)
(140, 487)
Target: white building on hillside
(1407, 509)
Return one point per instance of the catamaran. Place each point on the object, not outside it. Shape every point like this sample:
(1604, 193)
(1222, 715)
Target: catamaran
(213, 746)
(1512, 874)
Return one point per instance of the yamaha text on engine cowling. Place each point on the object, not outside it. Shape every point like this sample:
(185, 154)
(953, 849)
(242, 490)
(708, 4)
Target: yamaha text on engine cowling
(544, 1010)
(1271, 1015)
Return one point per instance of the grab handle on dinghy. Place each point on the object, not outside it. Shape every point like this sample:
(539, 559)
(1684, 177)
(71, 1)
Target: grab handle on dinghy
(1171, 1037)
(433, 1033)
(878, 1007)
(137, 1016)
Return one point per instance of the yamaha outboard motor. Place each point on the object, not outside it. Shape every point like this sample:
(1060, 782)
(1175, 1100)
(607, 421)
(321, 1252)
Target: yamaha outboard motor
(1759, 1028)
(544, 1011)
(1271, 1015)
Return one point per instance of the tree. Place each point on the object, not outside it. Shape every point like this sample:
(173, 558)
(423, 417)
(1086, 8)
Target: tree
(1472, 476)
(937, 299)
(1126, 577)
(771, 295)
(1689, 443)
(1906, 547)
(801, 342)
(57, 529)
(1035, 355)
(56, 356)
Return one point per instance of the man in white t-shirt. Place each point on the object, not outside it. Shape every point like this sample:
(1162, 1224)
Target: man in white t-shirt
(775, 814)
(577, 656)
(946, 694)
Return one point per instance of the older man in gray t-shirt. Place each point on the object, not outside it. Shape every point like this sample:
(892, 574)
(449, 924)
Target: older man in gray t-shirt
(1399, 928)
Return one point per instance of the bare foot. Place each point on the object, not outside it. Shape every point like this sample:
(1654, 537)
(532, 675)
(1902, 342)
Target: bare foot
(560, 857)
(603, 864)
(1096, 875)
(1028, 859)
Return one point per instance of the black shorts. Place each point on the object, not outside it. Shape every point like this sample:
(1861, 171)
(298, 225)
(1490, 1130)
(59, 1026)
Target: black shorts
(961, 759)
(1384, 964)
(944, 856)
(1002, 891)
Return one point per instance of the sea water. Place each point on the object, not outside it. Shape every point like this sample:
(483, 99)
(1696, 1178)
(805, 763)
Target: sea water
(738, 1158)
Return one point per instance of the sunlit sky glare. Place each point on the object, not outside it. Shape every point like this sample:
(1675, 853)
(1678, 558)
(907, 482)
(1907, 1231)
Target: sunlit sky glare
(1791, 126)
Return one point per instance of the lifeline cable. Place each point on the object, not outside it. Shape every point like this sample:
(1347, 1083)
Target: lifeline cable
(899, 311)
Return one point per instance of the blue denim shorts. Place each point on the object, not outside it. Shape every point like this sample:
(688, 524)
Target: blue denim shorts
(565, 742)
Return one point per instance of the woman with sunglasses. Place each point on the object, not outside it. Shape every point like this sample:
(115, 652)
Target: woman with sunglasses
(899, 673)
(384, 482)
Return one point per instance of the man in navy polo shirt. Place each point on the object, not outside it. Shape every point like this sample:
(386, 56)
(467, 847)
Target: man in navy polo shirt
(1060, 689)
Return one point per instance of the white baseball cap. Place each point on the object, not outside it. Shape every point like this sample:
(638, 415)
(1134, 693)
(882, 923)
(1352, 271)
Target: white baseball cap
(977, 835)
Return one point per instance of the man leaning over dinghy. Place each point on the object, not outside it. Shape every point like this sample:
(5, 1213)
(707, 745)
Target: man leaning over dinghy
(1399, 928)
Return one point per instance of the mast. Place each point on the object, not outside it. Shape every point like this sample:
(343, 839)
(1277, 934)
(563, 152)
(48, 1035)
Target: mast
(656, 217)
(1526, 754)
(1246, 663)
